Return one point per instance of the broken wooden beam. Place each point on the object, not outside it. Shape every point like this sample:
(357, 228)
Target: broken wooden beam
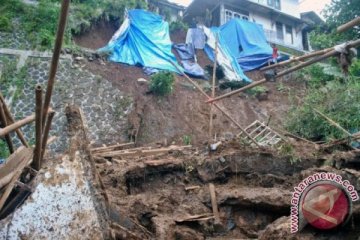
(348, 25)
(332, 122)
(214, 203)
(8, 169)
(162, 162)
(4, 122)
(195, 218)
(126, 153)
(10, 186)
(192, 188)
(111, 148)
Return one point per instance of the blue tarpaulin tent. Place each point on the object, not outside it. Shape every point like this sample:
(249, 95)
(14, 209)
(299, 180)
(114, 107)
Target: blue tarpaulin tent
(143, 39)
(246, 42)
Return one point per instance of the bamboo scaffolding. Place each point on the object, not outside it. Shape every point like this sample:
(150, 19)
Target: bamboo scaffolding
(55, 58)
(216, 105)
(348, 25)
(297, 59)
(4, 124)
(290, 70)
(38, 128)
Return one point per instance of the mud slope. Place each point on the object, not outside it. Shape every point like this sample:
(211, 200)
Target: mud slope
(184, 112)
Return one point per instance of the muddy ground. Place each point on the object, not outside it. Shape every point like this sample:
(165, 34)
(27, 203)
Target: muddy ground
(253, 186)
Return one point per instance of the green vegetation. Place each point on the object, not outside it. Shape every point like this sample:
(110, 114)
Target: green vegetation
(40, 21)
(338, 98)
(187, 140)
(162, 83)
(5, 24)
(336, 14)
(10, 77)
(178, 26)
(4, 151)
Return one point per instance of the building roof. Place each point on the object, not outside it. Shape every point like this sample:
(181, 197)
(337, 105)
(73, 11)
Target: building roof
(167, 3)
(311, 17)
(199, 6)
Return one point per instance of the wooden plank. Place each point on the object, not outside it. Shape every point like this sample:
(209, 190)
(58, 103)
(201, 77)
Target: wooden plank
(194, 218)
(214, 203)
(127, 153)
(16, 176)
(162, 162)
(110, 148)
(192, 188)
(213, 90)
(7, 170)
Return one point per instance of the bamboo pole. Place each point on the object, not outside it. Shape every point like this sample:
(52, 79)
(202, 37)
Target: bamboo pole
(348, 25)
(4, 124)
(213, 90)
(38, 128)
(297, 59)
(215, 105)
(16, 125)
(55, 58)
(332, 122)
(290, 70)
(46, 135)
(11, 120)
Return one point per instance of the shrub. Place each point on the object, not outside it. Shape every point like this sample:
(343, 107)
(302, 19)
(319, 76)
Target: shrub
(162, 83)
(337, 100)
(5, 24)
(178, 26)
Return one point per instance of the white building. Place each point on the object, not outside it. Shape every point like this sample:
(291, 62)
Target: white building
(281, 19)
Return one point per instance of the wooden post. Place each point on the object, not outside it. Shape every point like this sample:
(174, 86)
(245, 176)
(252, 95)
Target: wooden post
(297, 59)
(290, 70)
(38, 128)
(55, 58)
(11, 121)
(213, 90)
(46, 135)
(348, 25)
(214, 203)
(4, 124)
(215, 105)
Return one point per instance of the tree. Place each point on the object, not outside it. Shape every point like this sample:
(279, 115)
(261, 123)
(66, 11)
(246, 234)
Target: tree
(336, 14)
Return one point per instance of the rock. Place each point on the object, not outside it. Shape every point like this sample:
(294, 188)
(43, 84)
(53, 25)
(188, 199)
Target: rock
(79, 58)
(142, 80)
(221, 159)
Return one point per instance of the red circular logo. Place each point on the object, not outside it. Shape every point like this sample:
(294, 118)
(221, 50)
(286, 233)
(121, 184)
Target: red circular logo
(325, 206)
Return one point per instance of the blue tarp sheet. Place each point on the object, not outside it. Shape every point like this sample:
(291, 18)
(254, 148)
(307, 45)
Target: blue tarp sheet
(246, 42)
(144, 40)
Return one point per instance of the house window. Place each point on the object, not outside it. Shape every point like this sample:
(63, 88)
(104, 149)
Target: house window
(274, 3)
(289, 34)
(230, 15)
(279, 31)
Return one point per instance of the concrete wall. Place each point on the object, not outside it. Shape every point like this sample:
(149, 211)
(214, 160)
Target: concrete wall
(290, 7)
